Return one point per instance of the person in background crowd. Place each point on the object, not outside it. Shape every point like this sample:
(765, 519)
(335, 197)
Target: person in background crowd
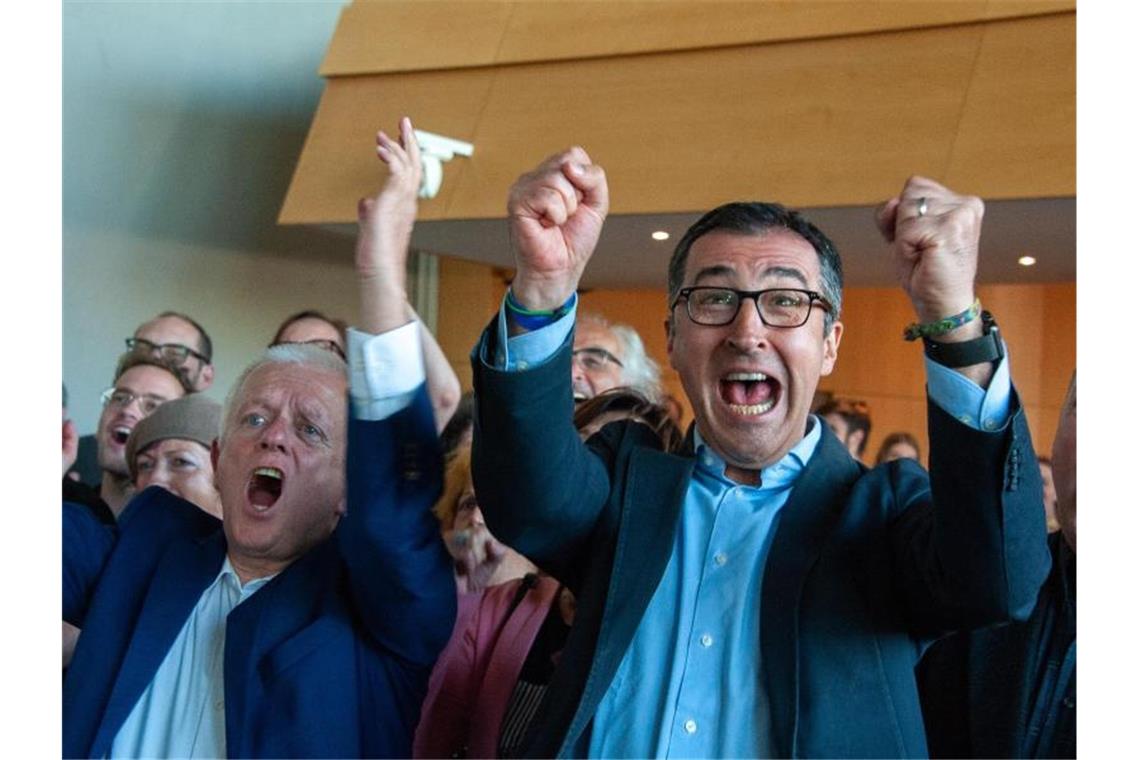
(1011, 690)
(181, 341)
(898, 445)
(851, 423)
(177, 340)
(610, 356)
(1049, 494)
(457, 432)
(311, 326)
(142, 384)
(622, 403)
(171, 449)
(764, 595)
(480, 559)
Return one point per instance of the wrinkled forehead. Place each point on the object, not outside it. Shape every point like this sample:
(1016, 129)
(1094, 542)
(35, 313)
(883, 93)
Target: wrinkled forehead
(738, 259)
(146, 379)
(304, 387)
(169, 330)
(591, 334)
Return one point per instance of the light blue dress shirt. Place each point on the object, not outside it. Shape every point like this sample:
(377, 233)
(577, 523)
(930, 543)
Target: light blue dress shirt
(690, 683)
(182, 711)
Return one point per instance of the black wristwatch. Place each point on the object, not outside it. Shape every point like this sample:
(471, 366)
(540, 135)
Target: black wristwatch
(987, 348)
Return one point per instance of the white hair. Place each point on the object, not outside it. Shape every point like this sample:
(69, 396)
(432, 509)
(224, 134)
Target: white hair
(285, 353)
(639, 371)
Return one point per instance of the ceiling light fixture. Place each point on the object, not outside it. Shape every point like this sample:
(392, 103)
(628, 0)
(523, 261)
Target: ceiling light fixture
(660, 235)
(1027, 261)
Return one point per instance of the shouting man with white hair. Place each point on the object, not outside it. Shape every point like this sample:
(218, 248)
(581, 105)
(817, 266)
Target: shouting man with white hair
(306, 623)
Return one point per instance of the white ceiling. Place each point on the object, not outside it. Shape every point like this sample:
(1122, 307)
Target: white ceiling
(627, 257)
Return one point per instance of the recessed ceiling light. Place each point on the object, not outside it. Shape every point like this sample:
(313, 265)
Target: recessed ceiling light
(660, 235)
(1027, 261)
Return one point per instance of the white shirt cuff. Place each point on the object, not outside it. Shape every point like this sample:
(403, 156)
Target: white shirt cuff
(384, 370)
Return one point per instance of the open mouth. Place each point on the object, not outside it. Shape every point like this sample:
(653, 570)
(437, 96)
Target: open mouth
(120, 434)
(749, 393)
(265, 487)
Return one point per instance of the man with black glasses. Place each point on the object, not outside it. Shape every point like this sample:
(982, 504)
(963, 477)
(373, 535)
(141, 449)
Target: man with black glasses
(178, 341)
(609, 356)
(762, 594)
(181, 341)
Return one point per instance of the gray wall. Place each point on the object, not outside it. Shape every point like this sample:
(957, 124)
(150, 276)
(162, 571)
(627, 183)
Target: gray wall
(182, 124)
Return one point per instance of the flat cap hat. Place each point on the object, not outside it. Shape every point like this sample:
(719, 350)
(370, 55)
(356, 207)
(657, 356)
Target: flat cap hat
(192, 418)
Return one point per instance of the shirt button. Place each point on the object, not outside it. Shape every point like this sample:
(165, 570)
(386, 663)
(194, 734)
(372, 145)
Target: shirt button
(720, 558)
(220, 704)
(706, 640)
(524, 365)
(990, 425)
(690, 726)
(964, 418)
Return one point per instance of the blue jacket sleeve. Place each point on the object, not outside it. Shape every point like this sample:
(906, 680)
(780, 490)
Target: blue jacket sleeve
(970, 548)
(87, 543)
(399, 570)
(540, 488)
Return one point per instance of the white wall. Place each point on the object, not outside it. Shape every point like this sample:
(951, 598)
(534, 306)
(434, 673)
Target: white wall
(182, 124)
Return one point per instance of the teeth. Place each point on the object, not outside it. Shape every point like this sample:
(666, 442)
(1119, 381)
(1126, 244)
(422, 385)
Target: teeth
(269, 472)
(752, 409)
(122, 429)
(746, 376)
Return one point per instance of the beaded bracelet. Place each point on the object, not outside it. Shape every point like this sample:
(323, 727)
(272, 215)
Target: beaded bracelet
(914, 330)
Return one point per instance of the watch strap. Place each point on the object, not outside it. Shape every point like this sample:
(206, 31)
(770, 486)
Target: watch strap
(987, 348)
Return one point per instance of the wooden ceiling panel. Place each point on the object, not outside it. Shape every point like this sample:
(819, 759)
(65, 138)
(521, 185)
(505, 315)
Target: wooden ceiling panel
(379, 37)
(338, 163)
(1017, 136)
(821, 122)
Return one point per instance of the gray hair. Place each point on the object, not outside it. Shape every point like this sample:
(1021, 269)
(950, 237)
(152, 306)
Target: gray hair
(301, 354)
(639, 371)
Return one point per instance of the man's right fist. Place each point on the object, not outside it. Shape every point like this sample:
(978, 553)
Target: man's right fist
(556, 215)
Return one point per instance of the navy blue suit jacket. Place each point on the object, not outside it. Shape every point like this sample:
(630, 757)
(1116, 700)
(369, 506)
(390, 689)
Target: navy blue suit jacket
(329, 659)
(866, 566)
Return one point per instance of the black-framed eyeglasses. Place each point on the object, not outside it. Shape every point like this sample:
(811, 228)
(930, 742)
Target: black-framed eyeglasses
(174, 352)
(325, 343)
(595, 358)
(121, 399)
(778, 307)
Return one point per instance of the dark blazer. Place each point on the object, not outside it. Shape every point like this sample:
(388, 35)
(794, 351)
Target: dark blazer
(865, 568)
(329, 659)
(980, 688)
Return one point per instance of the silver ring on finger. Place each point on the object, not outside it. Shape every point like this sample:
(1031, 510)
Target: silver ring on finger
(922, 206)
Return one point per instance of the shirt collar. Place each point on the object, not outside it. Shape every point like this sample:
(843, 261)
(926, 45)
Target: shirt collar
(782, 474)
(229, 575)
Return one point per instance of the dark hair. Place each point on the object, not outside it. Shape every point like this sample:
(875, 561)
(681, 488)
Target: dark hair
(892, 439)
(461, 421)
(854, 413)
(205, 345)
(340, 325)
(636, 407)
(756, 218)
(130, 360)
